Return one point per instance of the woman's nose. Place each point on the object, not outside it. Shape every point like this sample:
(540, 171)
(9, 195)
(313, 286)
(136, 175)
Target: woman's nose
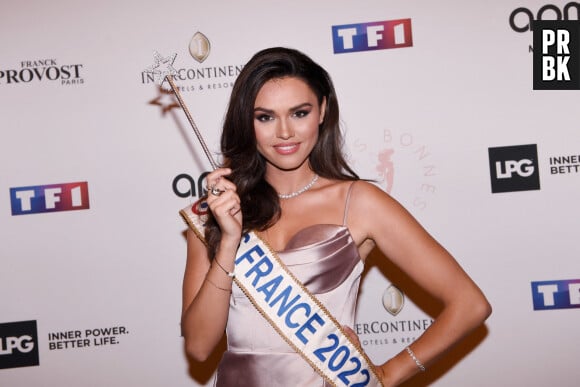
(284, 130)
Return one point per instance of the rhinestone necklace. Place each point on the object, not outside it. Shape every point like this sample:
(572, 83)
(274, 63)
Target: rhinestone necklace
(300, 191)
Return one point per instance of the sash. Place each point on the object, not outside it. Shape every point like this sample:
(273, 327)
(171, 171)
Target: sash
(296, 314)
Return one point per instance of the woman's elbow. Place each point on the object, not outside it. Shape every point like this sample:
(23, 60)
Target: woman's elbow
(481, 308)
(196, 351)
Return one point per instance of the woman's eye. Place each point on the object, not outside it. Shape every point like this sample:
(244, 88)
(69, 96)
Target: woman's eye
(301, 113)
(263, 117)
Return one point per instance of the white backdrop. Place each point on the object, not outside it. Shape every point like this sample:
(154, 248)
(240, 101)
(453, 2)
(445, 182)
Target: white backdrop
(102, 285)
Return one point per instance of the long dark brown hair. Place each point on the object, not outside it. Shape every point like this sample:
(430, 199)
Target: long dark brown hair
(260, 204)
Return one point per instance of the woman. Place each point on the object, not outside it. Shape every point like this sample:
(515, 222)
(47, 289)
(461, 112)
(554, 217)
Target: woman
(284, 177)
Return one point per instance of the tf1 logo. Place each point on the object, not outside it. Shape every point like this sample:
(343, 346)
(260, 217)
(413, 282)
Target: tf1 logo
(514, 168)
(18, 344)
(556, 55)
(372, 36)
(49, 198)
(562, 294)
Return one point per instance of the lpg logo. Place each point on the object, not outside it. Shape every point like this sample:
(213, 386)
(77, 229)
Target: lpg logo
(18, 344)
(49, 198)
(514, 168)
(556, 294)
(372, 36)
(524, 168)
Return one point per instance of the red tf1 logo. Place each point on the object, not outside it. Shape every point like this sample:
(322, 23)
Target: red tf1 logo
(49, 198)
(556, 55)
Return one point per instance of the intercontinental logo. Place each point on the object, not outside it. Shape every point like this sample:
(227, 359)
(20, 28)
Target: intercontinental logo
(393, 300)
(391, 331)
(199, 78)
(199, 47)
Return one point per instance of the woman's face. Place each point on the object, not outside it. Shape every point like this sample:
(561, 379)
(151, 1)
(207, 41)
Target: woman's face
(286, 120)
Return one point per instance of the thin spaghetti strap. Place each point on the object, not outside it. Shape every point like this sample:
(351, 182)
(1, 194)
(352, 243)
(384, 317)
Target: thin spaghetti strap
(346, 202)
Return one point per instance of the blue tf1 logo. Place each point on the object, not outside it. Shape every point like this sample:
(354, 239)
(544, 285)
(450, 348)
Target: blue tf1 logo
(562, 294)
(379, 35)
(49, 198)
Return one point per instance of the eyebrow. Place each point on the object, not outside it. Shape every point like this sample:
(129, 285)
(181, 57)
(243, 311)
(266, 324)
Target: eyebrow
(292, 109)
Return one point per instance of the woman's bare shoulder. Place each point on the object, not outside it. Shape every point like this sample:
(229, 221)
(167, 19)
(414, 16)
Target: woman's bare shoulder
(371, 208)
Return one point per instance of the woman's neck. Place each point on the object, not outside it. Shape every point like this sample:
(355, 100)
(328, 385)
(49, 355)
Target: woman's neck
(288, 182)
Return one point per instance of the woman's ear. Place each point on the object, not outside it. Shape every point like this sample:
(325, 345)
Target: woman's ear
(322, 110)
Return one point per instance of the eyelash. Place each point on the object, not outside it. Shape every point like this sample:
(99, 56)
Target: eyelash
(267, 117)
(301, 113)
(263, 118)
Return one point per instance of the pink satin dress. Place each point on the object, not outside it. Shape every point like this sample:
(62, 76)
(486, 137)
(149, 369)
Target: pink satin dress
(325, 259)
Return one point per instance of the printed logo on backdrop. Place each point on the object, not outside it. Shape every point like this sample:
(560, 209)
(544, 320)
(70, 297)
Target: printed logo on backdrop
(557, 294)
(49, 198)
(514, 168)
(395, 153)
(42, 70)
(564, 165)
(185, 186)
(379, 35)
(392, 331)
(86, 338)
(557, 55)
(18, 344)
(199, 78)
(199, 47)
(393, 300)
(522, 19)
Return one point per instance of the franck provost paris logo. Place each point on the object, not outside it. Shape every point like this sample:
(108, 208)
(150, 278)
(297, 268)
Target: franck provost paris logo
(514, 168)
(18, 344)
(42, 70)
